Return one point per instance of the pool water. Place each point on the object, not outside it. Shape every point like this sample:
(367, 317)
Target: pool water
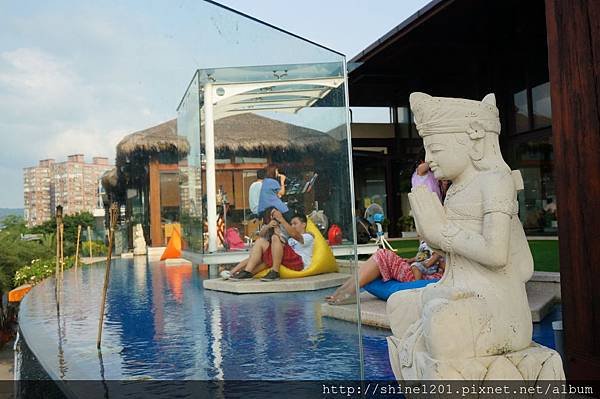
(161, 324)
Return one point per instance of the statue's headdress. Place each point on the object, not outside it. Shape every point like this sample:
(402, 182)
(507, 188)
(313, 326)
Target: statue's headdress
(438, 115)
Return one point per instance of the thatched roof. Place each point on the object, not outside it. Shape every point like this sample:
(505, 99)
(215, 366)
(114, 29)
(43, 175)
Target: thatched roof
(110, 179)
(254, 133)
(247, 134)
(156, 139)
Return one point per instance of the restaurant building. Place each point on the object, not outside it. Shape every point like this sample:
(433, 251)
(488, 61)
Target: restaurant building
(541, 59)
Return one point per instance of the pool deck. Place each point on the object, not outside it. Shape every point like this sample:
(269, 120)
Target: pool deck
(255, 286)
(543, 293)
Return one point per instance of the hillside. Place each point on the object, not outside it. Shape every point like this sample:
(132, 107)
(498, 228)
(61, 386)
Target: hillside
(10, 211)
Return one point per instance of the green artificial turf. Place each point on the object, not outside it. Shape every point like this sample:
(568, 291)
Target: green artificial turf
(545, 253)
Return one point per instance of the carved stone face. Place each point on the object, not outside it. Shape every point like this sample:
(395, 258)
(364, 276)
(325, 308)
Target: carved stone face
(447, 158)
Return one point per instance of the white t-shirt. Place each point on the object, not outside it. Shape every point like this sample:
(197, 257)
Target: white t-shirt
(254, 195)
(304, 250)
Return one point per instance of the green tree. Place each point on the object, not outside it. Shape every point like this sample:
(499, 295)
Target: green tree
(70, 222)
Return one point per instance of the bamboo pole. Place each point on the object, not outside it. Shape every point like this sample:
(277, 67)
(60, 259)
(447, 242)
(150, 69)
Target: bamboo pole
(89, 231)
(59, 220)
(62, 256)
(57, 271)
(113, 222)
(77, 247)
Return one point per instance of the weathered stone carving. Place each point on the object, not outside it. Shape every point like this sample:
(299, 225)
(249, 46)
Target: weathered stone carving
(475, 323)
(139, 243)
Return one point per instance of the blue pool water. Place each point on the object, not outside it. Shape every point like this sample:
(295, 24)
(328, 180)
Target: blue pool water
(161, 324)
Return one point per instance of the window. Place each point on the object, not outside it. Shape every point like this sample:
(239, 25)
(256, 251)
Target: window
(542, 110)
(521, 112)
(404, 122)
(532, 109)
(537, 202)
(370, 115)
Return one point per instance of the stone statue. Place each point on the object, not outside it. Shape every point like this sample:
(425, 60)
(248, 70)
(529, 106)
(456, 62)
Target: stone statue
(475, 323)
(139, 243)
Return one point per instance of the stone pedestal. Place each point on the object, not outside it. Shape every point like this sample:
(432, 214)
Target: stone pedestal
(530, 364)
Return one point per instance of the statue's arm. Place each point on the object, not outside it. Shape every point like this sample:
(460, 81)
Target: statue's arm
(491, 247)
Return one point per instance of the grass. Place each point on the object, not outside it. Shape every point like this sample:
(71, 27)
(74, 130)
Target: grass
(545, 253)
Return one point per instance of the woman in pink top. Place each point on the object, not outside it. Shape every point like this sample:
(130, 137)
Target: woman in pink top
(423, 176)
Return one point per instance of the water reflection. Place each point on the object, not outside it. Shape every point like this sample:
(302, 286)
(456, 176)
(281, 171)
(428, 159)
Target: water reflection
(161, 324)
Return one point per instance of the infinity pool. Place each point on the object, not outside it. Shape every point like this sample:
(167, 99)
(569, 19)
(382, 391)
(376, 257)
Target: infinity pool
(161, 324)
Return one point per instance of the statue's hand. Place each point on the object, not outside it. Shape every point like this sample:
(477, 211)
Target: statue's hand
(430, 216)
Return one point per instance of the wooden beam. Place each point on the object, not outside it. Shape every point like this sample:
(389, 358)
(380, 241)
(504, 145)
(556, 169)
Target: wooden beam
(155, 223)
(240, 166)
(574, 64)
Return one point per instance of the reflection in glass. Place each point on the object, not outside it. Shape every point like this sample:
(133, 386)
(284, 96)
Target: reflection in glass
(370, 115)
(537, 202)
(292, 116)
(369, 181)
(404, 122)
(542, 109)
(521, 112)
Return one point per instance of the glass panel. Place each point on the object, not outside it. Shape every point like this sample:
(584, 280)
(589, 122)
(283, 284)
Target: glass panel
(537, 202)
(371, 115)
(169, 203)
(542, 109)
(190, 169)
(521, 112)
(267, 109)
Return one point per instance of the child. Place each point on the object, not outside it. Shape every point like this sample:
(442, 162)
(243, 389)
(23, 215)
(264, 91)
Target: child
(426, 262)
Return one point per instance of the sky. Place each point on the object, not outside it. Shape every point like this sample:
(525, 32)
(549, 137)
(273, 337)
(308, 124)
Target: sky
(77, 76)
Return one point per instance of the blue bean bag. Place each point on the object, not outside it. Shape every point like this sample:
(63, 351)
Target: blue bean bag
(383, 290)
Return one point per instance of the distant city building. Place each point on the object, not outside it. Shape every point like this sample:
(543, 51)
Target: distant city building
(72, 184)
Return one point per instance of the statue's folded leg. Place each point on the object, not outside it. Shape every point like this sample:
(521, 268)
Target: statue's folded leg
(403, 309)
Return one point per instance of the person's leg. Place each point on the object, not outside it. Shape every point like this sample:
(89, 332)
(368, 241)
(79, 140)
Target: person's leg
(367, 272)
(416, 272)
(276, 252)
(239, 266)
(255, 258)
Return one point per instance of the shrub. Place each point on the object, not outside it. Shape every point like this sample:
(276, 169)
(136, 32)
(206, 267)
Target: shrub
(38, 270)
(98, 248)
(15, 253)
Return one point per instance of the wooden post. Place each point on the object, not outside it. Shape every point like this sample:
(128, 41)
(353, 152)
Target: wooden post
(574, 65)
(156, 236)
(113, 221)
(77, 247)
(89, 231)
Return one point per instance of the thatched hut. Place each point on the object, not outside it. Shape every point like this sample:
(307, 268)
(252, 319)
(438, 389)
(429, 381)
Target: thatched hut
(146, 177)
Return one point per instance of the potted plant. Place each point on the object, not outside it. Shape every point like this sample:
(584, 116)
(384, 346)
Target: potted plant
(406, 224)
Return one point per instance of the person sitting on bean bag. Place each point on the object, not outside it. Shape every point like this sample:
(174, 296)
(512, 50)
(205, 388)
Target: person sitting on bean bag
(271, 252)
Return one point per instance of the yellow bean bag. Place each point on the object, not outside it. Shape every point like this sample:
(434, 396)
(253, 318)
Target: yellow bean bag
(323, 260)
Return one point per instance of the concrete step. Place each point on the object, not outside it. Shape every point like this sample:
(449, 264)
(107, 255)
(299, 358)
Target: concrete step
(542, 296)
(255, 286)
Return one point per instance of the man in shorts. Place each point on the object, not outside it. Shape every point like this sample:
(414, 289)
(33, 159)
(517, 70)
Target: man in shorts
(296, 254)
